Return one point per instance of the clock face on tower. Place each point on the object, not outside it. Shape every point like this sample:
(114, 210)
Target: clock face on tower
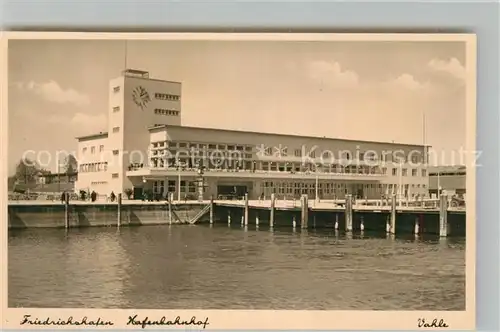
(141, 97)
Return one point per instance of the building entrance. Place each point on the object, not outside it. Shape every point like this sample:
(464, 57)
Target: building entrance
(138, 192)
(231, 192)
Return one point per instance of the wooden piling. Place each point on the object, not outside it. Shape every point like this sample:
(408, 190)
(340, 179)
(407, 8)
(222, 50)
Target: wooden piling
(271, 213)
(257, 218)
(211, 209)
(170, 199)
(119, 211)
(443, 215)
(416, 229)
(348, 213)
(304, 219)
(246, 209)
(66, 210)
(393, 214)
(229, 217)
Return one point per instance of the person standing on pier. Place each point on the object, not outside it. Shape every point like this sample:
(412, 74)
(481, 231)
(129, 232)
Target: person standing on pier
(63, 197)
(112, 196)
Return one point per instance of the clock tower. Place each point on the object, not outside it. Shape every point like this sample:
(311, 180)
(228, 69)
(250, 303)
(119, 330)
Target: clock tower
(136, 103)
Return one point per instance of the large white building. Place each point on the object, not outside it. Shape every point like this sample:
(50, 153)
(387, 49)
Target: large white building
(147, 149)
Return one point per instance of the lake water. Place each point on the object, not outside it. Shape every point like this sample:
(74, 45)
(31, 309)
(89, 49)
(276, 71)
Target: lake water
(221, 267)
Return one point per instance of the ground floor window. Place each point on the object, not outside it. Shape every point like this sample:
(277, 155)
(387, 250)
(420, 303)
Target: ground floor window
(192, 186)
(158, 187)
(323, 189)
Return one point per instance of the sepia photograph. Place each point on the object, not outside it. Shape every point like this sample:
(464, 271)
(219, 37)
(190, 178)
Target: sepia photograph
(241, 172)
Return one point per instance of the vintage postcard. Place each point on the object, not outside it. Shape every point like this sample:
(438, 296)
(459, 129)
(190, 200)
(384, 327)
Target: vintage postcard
(239, 181)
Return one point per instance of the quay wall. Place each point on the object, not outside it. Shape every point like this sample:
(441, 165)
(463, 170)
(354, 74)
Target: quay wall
(90, 215)
(105, 214)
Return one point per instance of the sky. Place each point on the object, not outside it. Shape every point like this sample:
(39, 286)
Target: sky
(377, 91)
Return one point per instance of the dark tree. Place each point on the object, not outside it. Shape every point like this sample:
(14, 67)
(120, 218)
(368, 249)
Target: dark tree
(26, 170)
(70, 164)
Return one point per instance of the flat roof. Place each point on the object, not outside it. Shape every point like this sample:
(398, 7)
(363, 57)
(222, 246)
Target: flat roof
(447, 169)
(152, 79)
(92, 136)
(282, 135)
(144, 75)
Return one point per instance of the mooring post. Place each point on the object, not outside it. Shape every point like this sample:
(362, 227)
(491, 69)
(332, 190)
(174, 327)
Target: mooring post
(246, 209)
(257, 218)
(417, 225)
(336, 226)
(305, 212)
(362, 223)
(348, 213)
(271, 213)
(119, 211)
(443, 216)
(169, 201)
(302, 214)
(66, 210)
(294, 222)
(393, 214)
(211, 209)
(229, 217)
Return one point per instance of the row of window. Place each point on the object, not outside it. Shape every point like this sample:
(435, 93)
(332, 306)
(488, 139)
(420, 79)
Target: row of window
(447, 174)
(171, 186)
(218, 154)
(93, 167)
(161, 111)
(333, 185)
(166, 96)
(386, 156)
(161, 96)
(404, 172)
(230, 152)
(159, 162)
(93, 149)
(201, 146)
(101, 149)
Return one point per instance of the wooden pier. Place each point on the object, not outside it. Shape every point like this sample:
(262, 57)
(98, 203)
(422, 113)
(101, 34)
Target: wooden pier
(348, 208)
(348, 214)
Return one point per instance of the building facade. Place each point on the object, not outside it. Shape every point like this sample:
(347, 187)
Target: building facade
(147, 150)
(448, 179)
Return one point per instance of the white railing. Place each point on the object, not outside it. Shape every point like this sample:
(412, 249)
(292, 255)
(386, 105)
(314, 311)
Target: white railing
(248, 173)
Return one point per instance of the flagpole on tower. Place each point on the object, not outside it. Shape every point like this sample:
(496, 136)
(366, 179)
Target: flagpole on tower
(125, 55)
(424, 136)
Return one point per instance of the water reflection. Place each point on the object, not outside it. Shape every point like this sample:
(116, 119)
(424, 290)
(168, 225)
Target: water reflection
(220, 267)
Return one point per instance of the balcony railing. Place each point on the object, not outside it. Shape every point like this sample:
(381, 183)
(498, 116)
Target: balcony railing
(247, 173)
